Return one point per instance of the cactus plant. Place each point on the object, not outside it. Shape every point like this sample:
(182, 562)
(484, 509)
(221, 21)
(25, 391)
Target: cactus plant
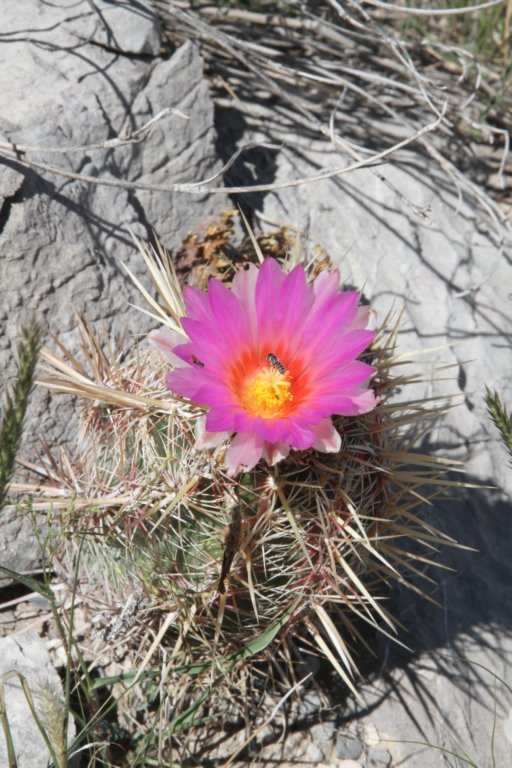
(198, 569)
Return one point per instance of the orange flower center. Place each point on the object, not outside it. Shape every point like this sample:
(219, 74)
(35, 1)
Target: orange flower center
(267, 394)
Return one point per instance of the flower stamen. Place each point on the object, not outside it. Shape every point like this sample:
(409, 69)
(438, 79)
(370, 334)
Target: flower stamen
(267, 394)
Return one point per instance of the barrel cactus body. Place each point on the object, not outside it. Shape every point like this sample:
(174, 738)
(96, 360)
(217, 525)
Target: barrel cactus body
(201, 564)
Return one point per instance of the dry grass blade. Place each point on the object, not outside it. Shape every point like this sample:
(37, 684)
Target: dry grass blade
(254, 242)
(324, 648)
(163, 276)
(104, 384)
(335, 638)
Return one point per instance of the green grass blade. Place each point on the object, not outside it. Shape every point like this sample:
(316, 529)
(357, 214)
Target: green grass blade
(28, 581)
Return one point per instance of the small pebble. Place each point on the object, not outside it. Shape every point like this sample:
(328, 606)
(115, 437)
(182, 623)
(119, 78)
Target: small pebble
(314, 754)
(378, 758)
(310, 704)
(348, 746)
(370, 735)
(322, 732)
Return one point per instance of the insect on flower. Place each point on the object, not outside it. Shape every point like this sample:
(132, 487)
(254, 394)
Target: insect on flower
(262, 406)
(276, 363)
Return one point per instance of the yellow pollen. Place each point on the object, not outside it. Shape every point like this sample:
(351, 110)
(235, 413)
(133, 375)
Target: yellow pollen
(267, 394)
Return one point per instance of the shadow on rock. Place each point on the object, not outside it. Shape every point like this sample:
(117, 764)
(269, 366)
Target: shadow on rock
(465, 610)
(256, 165)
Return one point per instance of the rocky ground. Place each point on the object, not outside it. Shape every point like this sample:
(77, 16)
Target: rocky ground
(76, 76)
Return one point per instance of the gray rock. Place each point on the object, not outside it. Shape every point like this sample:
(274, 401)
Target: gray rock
(19, 548)
(69, 82)
(26, 655)
(348, 745)
(315, 753)
(378, 758)
(10, 181)
(297, 744)
(182, 150)
(321, 745)
(322, 732)
(127, 27)
(63, 242)
(309, 704)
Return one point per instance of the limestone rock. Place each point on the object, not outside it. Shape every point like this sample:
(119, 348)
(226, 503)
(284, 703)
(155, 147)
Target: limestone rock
(63, 241)
(321, 744)
(10, 181)
(25, 655)
(70, 81)
(19, 548)
(123, 27)
(378, 758)
(348, 745)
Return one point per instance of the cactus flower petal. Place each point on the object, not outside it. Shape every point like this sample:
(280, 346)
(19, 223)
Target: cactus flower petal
(328, 439)
(205, 439)
(272, 360)
(244, 452)
(165, 340)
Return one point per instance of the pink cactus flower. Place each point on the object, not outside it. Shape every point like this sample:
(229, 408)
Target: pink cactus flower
(272, 360)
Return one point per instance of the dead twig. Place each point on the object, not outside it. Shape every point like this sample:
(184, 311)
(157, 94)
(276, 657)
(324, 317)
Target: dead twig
(134, 137)
(201, 188)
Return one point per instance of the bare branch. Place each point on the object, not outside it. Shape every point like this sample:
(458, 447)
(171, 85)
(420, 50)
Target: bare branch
(201, 188)
(134, 137)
